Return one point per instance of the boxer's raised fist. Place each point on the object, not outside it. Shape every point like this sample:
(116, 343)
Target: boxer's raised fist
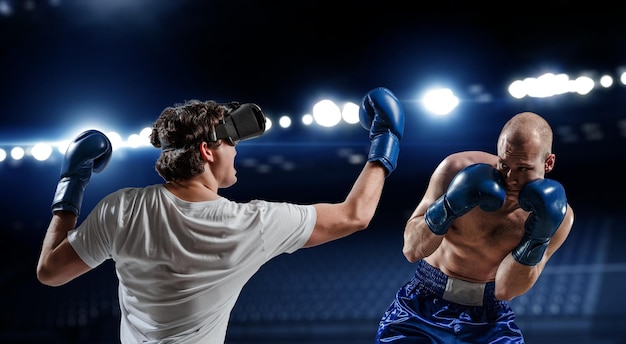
(89, 152)
(382, 114)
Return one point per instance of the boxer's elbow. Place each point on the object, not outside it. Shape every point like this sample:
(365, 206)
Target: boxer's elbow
(503, 293)
(410, 254)
(52, 275)
(48, 277)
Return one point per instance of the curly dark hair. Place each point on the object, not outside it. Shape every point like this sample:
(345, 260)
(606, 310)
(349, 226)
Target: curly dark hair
(179, 131)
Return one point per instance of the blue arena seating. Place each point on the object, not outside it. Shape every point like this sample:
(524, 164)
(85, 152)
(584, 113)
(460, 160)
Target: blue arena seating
(336, 293)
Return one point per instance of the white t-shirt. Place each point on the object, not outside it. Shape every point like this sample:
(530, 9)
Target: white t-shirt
(182, 265)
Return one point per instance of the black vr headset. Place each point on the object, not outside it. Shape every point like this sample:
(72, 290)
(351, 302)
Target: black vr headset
(241, 122)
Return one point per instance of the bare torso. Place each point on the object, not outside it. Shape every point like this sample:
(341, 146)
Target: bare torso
(477, 242)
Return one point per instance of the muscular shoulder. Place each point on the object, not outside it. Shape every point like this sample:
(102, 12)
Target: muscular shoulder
(455, 162)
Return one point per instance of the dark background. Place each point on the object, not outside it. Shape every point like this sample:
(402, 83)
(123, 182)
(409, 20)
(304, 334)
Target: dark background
(117, 64)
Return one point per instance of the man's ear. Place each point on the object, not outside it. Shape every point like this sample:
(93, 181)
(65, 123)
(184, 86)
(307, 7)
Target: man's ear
(549, 163)
(206, 152)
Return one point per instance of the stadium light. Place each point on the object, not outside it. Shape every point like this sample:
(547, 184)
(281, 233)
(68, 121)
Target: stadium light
(440, 101)
(350, 113)
(17, 153)
(307, 119)
(326, 113)
(284, 121)
(41, 151)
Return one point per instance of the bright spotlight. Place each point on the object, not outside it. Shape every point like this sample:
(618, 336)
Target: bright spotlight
(606, 81)
(116, 140)
(517, 89)
(440, 101)
(350, 113)
(3, 154)
(134, 141)
(583, 85)
(17, 153)
(41, 151)
(145, 135)
(307, 119)
(284, 122)
(326, 113)
(62, 146)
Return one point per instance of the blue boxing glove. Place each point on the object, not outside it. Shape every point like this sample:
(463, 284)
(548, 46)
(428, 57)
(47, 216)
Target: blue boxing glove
(89, 152)
(382, 114)
(546, 201)
(475, 185)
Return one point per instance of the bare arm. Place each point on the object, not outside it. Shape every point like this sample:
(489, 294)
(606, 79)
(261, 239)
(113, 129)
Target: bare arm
(514, 279)
(58, 262)
(338, 220)
(382, 113)
(419, 240)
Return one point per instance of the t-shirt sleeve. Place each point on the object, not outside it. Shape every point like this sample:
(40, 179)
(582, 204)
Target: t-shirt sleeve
(91, 239)
(286, 226)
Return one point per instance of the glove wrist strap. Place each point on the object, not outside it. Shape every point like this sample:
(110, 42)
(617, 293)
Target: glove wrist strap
(385, 148)
(439, 216)
(68, 196)
(530, 251)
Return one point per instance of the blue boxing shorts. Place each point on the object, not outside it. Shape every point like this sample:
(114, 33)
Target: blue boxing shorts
(435, 308)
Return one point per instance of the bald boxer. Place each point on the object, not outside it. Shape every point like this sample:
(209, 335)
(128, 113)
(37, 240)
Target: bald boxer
(481, 235)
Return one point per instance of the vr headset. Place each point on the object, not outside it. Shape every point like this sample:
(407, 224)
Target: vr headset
(241, 122)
